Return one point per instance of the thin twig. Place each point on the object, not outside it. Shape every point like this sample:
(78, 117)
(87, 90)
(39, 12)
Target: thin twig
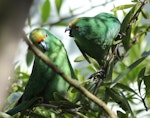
(71, 111)
(74, 15)
(48, 105)
(76, 113)
(71, 81)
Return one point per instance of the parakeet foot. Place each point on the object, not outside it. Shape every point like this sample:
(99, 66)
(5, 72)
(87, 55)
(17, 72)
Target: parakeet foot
(101, 74)
(121, 34)
(98, 78)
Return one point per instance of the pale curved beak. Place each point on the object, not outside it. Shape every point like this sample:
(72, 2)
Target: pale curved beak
(44, 45)
(67, 29)
(70, 31)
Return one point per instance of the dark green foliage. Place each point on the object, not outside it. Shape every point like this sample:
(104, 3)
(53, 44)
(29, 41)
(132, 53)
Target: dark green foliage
(127, 83)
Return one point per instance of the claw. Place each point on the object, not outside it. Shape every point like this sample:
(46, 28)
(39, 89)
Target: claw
(98, 74)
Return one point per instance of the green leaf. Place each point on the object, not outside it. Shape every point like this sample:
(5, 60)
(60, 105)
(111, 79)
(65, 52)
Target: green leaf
(127, 24)
(134, 0)
(23, 75)
(45, 11)
(36, 115)
(122, 7)
(4, 115)
(79, 59)
(125, 87)
(147, 84)
(110, 71)
(119, 98)
(29, 57)
(125, 102)
(145, 14)
(130, 16)
(125, 72)
(58, 4)
(121, 115)
(140, 78)
(91, 68)
(124, 13)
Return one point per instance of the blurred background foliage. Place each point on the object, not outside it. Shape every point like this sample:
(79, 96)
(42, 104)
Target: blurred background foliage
(127, 87)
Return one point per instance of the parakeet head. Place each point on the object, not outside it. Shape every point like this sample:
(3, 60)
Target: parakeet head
(79, 28)
(38, 37)
(73, 28)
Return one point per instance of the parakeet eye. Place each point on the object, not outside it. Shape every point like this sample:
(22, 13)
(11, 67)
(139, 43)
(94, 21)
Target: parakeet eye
(77, 28)
(46, 35)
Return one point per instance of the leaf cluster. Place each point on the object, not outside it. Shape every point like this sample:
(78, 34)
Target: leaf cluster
(127, 82)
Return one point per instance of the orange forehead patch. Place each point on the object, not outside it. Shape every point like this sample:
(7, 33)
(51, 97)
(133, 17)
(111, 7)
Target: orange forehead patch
(73, 22)
(40, 39)
(37, 36)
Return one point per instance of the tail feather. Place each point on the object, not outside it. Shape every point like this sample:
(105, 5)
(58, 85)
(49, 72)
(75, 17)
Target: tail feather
(22, 106)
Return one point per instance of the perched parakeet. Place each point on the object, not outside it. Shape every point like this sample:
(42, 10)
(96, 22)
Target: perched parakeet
(43, 81)
(94, 35)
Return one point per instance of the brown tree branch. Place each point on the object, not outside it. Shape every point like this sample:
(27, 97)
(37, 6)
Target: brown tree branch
(71, 81)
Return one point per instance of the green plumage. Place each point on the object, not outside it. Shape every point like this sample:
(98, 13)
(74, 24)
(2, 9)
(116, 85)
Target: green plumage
(94, 35)
(43, 81)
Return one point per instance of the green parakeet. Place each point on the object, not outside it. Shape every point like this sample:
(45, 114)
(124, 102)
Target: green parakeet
(94, 35)
(43, 81)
